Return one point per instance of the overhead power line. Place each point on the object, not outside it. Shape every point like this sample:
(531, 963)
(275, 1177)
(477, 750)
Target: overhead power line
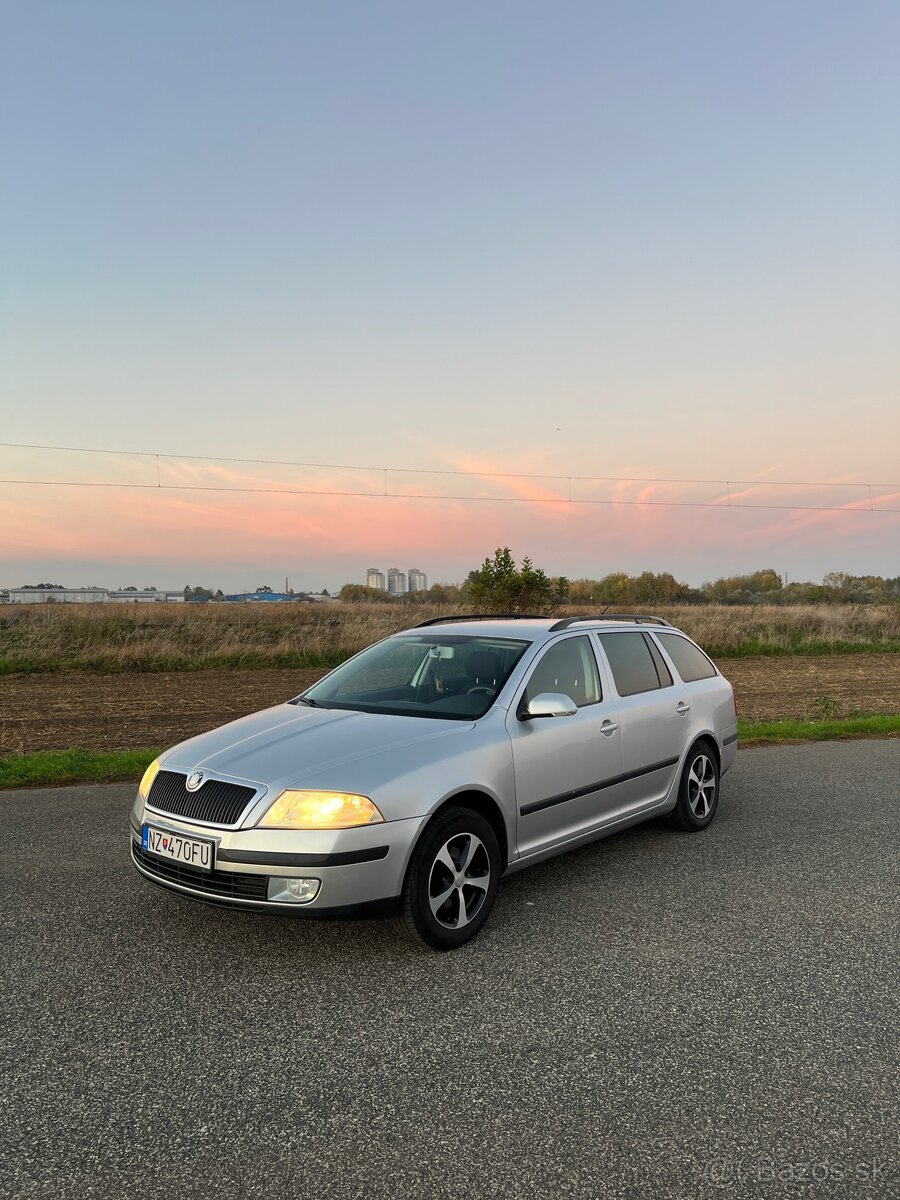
(282, 462)
(867, 501)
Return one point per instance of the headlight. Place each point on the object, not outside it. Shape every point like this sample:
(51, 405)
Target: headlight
(147, 782)
(320, 810)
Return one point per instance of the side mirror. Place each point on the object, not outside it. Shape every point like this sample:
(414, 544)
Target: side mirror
(550, 704)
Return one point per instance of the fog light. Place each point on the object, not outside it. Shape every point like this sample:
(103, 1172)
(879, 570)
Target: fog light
(292, 891)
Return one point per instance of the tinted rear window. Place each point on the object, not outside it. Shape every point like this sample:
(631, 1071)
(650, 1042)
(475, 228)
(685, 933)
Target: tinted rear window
(631, 663)
(690, 662)
(665, 675)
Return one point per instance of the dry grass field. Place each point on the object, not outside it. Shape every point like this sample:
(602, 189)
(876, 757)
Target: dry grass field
(110, 638)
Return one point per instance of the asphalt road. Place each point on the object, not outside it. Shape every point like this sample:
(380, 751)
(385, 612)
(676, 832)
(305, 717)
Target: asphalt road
(658, 1015)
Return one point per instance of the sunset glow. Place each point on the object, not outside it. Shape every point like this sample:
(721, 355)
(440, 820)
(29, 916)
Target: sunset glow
(636, 246)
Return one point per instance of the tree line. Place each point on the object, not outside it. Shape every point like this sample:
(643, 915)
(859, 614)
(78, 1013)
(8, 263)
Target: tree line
(500, 585)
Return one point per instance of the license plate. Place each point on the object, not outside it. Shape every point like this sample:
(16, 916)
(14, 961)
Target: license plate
(193, 852)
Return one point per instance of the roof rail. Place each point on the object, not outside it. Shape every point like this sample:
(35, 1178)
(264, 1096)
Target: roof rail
(483, 617)
(638, 618)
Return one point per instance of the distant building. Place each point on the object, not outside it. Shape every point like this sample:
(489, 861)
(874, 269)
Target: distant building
(396, 582)
(375, 578)
(58, 595)
(90, 596)
(418, 580)
(143, 596)
(263, 597)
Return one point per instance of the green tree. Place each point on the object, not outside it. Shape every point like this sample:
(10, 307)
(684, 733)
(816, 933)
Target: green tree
(502, 587)
(651, 588)
(737, 588)
(616, 589)
(358, 593)
(442, 593)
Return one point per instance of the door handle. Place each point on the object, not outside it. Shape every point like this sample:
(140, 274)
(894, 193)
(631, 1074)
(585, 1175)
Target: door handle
(682, 709)
(608, 727)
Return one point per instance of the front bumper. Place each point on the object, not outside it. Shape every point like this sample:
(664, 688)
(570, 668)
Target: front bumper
(360, 869)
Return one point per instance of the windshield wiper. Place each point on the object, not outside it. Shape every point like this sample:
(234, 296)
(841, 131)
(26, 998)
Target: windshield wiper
(308, 700)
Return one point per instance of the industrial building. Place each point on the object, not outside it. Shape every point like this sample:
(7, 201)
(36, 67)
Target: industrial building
(375, 578)
(145, 596)
(58, 595)
(263, 597)
(91, 595)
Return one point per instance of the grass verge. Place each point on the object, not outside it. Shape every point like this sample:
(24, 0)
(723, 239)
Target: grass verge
(248, 660)
(48, 768)
(51, 767)
(801, 646)
(791, 730)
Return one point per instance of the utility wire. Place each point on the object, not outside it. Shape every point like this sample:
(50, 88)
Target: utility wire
(278, 462)
(387, 495)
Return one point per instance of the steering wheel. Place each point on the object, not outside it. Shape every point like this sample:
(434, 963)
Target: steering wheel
(480, 689)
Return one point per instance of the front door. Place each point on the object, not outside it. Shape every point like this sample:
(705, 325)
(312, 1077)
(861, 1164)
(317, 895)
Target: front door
(567, 768)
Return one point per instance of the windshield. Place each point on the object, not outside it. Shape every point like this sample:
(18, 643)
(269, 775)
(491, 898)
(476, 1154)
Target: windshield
(454, 678)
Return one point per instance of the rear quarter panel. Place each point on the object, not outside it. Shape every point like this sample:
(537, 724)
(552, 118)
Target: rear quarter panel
(713, 705)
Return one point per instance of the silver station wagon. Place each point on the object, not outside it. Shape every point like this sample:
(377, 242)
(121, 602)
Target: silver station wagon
(411, 778)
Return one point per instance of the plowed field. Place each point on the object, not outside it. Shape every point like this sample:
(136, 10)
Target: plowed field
(121, 712)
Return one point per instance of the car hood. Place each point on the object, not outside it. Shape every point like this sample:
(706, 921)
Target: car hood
(283, 746)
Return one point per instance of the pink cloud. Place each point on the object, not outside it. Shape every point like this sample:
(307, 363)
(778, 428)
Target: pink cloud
(257, 526)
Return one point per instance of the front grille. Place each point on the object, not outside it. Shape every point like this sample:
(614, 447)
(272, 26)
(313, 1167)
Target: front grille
(226, 885)
(216, 802)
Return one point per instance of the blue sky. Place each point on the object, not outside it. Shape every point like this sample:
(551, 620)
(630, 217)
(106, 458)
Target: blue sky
(616, 239)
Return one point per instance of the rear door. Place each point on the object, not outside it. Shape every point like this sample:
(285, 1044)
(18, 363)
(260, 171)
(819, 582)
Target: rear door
(567, 768)
(654, 713)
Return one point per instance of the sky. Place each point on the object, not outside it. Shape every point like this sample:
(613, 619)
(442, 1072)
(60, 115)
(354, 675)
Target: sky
(606, 243)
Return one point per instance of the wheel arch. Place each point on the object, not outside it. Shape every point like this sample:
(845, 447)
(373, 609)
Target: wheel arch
(710, 740)
(486, 806)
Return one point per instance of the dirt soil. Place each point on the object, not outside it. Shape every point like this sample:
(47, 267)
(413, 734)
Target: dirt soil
(123, 712)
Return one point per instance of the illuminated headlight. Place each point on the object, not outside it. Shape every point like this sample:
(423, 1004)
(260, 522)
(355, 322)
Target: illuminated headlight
(147, 782)
(292, 891)
(320, 810)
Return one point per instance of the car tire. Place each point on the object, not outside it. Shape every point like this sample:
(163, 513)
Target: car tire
(451, 882)
(698, 791)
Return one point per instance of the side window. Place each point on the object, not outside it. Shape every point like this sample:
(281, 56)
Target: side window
(665, 675)
(568, 667)
(690, 662)
(631, 662)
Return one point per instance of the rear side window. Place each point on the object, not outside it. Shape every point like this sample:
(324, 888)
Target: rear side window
(690, 662)
(631, 662)
(665, 675)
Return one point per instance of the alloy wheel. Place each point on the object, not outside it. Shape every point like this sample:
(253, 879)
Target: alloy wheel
(459, 880)
(701, 787)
